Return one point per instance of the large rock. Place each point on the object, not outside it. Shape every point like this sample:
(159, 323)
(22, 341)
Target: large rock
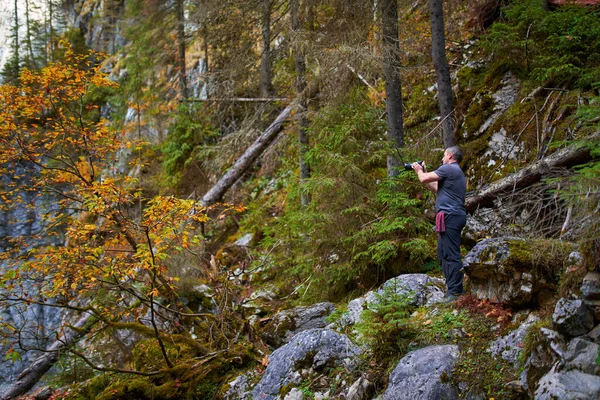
(590, 292)
(318, 349)
(422, 289)
(285, 324)
(583, 356)
(572, 317)
(509, 347)
(569, 385)
(546, 355)
(237, 389)
(362, 389)
(424, 374)
(515, 271)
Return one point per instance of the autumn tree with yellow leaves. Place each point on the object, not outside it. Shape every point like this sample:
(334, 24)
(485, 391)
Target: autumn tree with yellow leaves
(107, 261)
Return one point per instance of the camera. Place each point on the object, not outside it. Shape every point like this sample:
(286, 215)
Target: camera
(408, 166)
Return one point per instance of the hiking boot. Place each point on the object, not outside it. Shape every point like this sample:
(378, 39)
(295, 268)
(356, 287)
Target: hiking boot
(448, 298)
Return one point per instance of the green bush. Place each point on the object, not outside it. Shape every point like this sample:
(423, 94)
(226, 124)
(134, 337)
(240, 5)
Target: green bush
(190, 131)
(386, 322)
(560, 47)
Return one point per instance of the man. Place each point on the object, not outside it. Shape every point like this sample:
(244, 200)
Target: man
(449, 184)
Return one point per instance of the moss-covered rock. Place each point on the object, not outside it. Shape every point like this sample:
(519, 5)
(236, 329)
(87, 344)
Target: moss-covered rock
(516, 271)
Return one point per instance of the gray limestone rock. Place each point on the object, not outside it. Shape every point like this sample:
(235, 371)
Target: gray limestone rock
(294, 394)
(509, 347)
(362, 389)
(314, 348)
(503, 270)
(422, 288)
(590, 292)
(424, 374)
(582, 355)
(570, 385)
(572, 317)
(238, 388)
(594, 334)
(543, 359)
(285, 324)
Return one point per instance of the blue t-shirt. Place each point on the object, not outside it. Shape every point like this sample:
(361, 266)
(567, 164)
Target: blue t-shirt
(452, 188)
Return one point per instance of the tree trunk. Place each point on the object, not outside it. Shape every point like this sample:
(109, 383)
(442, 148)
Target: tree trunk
(393, 87)
(265, 85)
(442, 71)
(181, 47)
(252, 153)
(302, 120)
(16, 49)
(32, 374)
(572, 155)
(31, 57)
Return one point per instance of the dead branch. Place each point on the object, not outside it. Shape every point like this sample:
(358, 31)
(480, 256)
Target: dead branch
(249, 156)
(566, 157)
(32, 374)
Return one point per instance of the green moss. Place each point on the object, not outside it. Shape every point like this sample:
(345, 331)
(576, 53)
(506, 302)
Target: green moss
(532, 338)
(192, 378)
(420, 105)
(547, 258)
(481, 107)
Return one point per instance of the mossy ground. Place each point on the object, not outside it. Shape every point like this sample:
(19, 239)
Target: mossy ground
(192, 378)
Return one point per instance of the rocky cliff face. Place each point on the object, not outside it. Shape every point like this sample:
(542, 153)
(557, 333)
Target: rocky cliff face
(33, 326)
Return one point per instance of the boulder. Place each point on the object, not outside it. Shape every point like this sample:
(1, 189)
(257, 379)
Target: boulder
(238, 389)
(421, 288)
(318, 349)
(572, 317)
(569, 385)
(285, 324)
(590, 293)
(509, 347)
(548, 352)
(362, 389)
(424, 374)
(594, 334)
(514, 271)
(582, 355)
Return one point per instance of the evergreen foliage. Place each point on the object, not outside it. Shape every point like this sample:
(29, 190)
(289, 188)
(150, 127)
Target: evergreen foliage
(360, 227)
(559, 47)
(385, 323)
(190, 131)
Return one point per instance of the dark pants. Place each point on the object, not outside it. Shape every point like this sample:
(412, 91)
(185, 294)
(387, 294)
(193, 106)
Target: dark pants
(449, 252)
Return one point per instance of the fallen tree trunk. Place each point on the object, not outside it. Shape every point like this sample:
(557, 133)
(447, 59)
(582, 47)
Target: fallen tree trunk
(250, 155)
(566, 157)
(32, 374)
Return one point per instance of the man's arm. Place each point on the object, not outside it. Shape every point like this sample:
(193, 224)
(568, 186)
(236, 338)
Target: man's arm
(429, 179)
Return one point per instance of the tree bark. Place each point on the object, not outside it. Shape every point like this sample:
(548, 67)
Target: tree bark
(566, 157)
(302, 120)
(32, 374)
(252, 153)
(393, 84)
(181, 48)
(265, 85)
(442, 71)
(16, 49)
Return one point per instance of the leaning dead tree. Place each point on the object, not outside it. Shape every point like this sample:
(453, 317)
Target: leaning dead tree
(566, 157)
(250, 155)
(32, 374)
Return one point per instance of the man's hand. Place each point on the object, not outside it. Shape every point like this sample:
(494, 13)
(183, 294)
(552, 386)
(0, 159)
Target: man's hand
(419, 167)
(429, 179)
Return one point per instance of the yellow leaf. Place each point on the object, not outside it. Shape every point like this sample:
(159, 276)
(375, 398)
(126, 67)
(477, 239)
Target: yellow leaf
(427, 322)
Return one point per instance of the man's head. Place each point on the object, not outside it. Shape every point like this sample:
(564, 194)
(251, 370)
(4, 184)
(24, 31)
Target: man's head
(452, 154)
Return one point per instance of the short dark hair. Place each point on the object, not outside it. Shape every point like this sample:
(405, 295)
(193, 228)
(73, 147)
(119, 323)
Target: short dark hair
(456, 152)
